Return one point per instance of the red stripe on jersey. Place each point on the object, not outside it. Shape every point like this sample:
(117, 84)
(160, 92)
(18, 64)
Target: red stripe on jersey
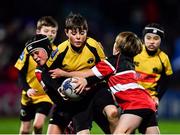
(105, 68)
(123, 78)
(38, 76)
(144, 77)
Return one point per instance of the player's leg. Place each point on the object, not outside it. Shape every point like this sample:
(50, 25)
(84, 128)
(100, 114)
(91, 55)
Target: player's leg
(152, 130)
(127, 124)
(25, 127)
(112, 115)
(106, 106)
(59, 121)
(82, 120)
(27, 114)
(149, 124)
(42, 111)
(38, 123)
(101, 121)
(54, 129)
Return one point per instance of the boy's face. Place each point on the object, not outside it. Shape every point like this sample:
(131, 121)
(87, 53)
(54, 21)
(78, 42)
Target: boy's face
(152, 41)
(40, 56)
(49, 31)
(76, 37)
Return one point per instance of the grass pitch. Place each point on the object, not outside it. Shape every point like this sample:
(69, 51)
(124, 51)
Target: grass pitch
(11, 126)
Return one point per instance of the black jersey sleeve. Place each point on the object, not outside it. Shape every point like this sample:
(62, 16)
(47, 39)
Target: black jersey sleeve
(92, 80)
(22, 82)
(163, 85)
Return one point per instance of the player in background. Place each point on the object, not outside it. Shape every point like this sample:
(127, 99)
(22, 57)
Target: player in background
(35, 105)
(152, 64)
(136, 103)
(79, 52)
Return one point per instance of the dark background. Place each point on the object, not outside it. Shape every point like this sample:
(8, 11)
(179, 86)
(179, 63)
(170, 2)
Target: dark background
(106, 18)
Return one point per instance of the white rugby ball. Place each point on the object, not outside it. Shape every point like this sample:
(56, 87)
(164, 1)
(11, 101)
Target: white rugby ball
(68, 87)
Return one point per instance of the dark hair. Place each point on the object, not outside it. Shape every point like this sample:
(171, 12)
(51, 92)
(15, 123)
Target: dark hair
(76, 21)
(38, 41)
(46, 21)
(153, 28)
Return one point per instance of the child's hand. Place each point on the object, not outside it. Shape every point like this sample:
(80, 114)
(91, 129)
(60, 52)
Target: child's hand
(156, 100)
(31, 92)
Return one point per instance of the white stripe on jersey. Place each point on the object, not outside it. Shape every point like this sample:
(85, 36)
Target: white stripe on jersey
(37, 70)
(42, 83)
(124, 87)
(110, 65)
(97, 73)
(125, 72)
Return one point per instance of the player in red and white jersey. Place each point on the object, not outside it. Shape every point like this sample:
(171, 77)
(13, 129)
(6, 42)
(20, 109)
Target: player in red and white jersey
(136, 103)
(123, 84)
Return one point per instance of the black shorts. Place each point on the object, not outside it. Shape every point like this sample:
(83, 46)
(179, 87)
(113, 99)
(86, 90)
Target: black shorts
(66, 110)
(82, 112)
(148, 115)
(101, 98)
(60, 118)
(28, 112)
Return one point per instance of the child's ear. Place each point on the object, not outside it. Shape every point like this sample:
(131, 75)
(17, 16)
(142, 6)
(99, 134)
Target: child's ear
(116, 51)
(37, 31)
(66, 31)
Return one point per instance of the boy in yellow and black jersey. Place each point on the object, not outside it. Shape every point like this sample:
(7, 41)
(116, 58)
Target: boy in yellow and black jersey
(81, 59)
(79, 53)
(152, 64)
(35, 103)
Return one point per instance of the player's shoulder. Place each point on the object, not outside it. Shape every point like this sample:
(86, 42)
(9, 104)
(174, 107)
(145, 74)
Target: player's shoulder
(63, 45)
(60, 48)
(92, 42)
(53, 46)
(163, 54)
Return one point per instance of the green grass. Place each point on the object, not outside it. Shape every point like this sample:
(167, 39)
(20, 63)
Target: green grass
(11, 126)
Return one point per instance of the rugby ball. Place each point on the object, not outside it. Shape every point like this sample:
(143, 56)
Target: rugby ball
(67, 88)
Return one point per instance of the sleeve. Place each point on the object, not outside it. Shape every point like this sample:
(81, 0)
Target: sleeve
(59, 52)
(92, 80)
(22, 83)
(96, 48)
(100, 51)
(163, 86)
(102, 71)
(168, 67)
(49, 82)
(166, 76)
(21, 60)
(38, 73)
(166, 63)
(53, 57)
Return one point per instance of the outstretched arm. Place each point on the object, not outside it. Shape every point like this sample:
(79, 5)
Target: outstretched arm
(57, 73)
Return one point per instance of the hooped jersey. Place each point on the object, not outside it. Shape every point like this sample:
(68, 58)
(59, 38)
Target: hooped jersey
(151, 68)
(26, 63)
(123, 84)
(66, 58)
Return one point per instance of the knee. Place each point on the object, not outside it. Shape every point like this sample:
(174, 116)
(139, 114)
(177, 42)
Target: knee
(112, 112)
